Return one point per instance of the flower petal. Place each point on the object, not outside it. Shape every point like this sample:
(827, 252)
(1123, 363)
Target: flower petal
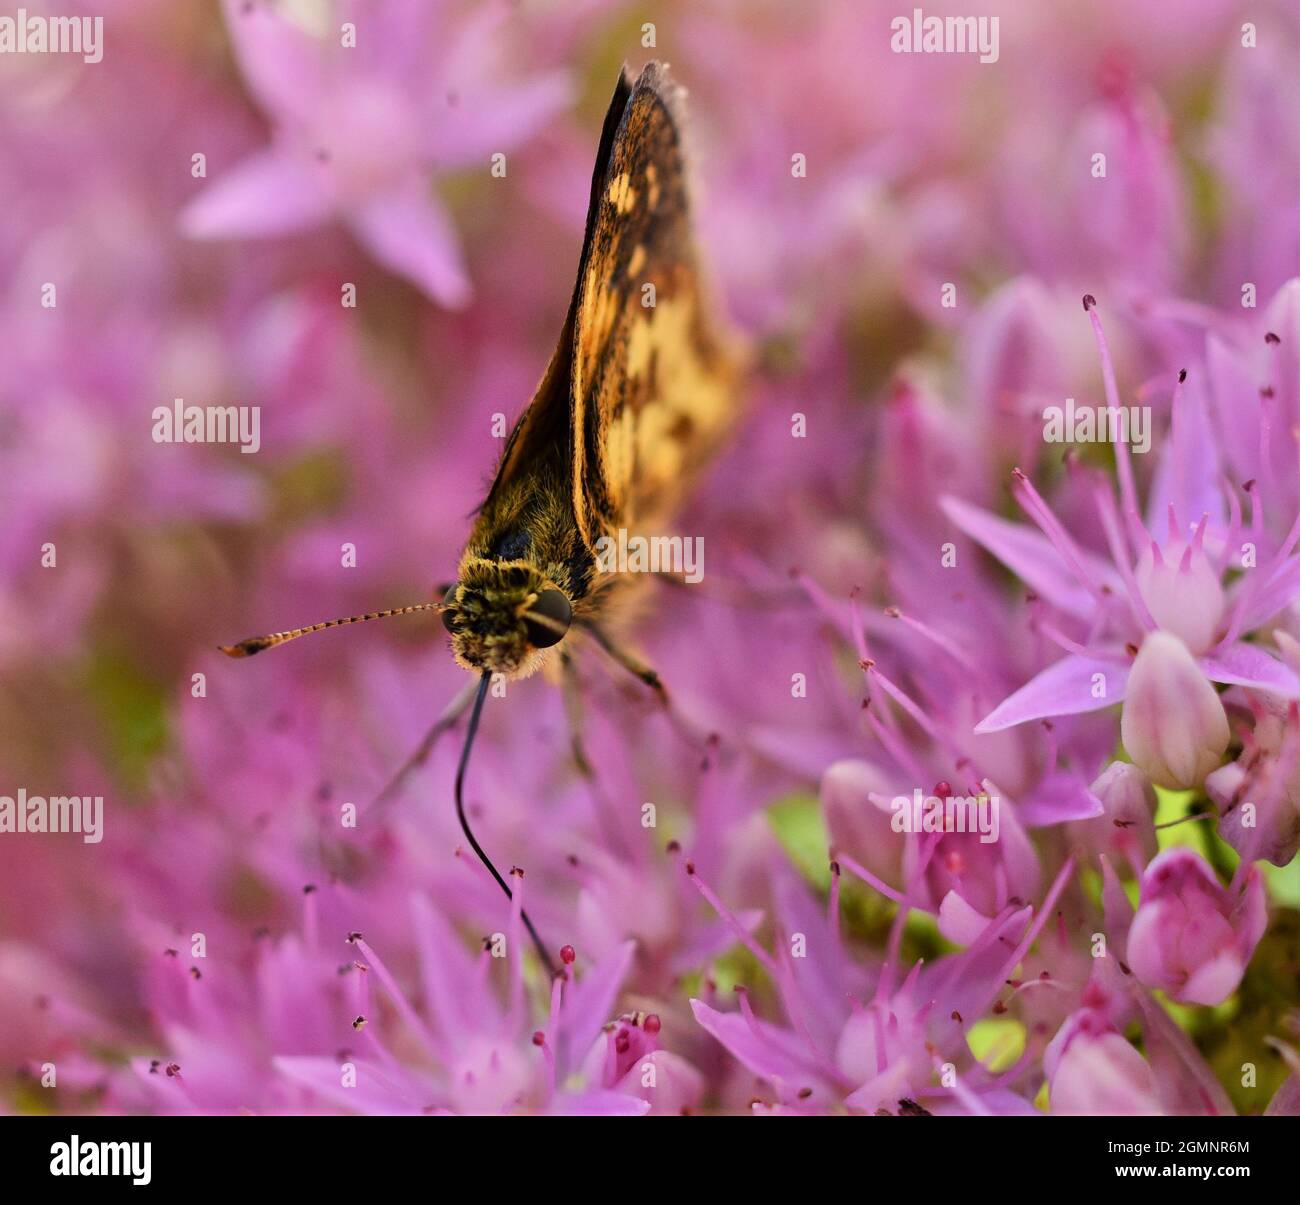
(960, 922)
(1033, 558)
(1283, 586)
(1188, 476)
(270, 193)
(1063, 688)
(409, 232)
(1058, 798)
(765, 1049)
(374, 1094)
(281, 62)
(505, 121)
(1249, 665)
(598, 1103)
(591, 1000)
(1235, 396)
(456, 999)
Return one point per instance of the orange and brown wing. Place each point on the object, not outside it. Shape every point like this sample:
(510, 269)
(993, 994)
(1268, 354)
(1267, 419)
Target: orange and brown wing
(653, 388)
(640, 390)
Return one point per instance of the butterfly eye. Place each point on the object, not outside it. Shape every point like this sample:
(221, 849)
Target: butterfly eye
(548, 619)
(449, 601)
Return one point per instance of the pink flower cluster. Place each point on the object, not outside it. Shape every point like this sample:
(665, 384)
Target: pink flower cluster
(980, 789)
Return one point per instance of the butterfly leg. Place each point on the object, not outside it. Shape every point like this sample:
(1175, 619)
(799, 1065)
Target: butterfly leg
(449, 718)
(634, 665)
(572, 691)
(630, 662)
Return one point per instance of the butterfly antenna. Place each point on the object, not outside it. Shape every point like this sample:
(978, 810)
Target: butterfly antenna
(474, 715)
(256, 644)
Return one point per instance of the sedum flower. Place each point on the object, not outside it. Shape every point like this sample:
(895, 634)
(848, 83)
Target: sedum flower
(358, 132)
(894, 1045)
(1191, 937)
(1099, 609)
(1258, 795)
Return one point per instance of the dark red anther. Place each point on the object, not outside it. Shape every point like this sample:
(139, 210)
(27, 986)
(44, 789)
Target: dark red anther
(568, 955)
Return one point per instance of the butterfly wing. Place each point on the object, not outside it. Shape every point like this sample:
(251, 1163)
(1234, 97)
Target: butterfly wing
(548, 421)
(640, 390)
(652, 386)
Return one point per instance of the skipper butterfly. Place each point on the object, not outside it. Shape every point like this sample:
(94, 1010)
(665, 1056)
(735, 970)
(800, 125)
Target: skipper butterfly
(638, 394)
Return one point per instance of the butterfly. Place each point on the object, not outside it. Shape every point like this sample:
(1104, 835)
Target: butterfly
(641, 390)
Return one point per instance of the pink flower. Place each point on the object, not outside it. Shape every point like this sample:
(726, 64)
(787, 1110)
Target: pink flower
(895, 1048)
(195, 961)
(1191, 937)
(1108, 605)
(358, 130)
(1258, 795)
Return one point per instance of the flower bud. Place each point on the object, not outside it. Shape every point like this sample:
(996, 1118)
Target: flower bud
(858, 823)
(1173, 725)
(1191, 937)
(1092, 1070)
(1127, 826)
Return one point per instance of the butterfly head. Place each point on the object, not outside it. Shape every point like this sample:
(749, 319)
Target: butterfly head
(501, 614)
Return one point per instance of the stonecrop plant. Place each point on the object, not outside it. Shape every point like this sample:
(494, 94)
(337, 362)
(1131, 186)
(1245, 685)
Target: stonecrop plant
(973, 785)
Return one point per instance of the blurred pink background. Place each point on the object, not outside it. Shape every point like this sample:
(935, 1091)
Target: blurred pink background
(327, 165)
